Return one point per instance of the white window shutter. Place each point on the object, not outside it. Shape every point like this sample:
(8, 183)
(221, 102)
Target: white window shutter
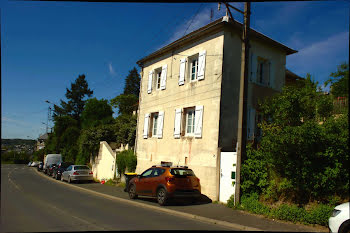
(253, 67)
(160, 124)
(182, 71)
(272, 74)
(201, 64)
(150, 76)
(163, 77)
(198, 122)
(145, 126)
(177, 123)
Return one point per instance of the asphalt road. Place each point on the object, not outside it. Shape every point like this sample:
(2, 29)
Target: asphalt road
(32, 203)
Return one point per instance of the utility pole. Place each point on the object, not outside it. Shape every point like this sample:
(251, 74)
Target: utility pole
(243, 100)
(243, 94)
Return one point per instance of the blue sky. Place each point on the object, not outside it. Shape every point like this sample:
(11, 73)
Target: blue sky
(46, 45)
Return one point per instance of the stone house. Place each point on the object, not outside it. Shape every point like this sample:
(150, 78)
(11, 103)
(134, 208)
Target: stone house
(189, 90)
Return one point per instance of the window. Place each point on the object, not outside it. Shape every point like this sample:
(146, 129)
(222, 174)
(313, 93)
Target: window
(158, 172)
(147, 173)
(190, 121)
(154, 120)
(153, 125)
(194, 69)
(263, 71)
(158, 78)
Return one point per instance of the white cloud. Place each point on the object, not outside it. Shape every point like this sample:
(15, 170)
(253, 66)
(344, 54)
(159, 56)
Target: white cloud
(111, 69)
(320, 53)
(9, 120)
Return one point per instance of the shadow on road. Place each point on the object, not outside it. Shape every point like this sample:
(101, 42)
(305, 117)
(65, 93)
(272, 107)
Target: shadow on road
(203, 199)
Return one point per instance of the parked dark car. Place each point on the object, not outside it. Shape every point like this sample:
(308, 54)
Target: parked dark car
(59, 169)
(163, 183)
(50, 169)
(40, 166)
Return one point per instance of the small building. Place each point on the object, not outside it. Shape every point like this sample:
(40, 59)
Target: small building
(40, 144)
(189, 98)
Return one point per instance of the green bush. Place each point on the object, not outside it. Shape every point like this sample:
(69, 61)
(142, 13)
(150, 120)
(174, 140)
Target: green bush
(318, 214)
(252, 204)
(289, 212)
(126, 160)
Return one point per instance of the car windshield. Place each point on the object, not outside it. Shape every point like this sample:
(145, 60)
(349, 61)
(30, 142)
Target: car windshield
(81, 168)
(181, 172)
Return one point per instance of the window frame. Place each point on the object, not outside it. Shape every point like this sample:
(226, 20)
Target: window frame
(193, 121)
(262, 70)
(157, 78)
(152, 125)
(191, 59)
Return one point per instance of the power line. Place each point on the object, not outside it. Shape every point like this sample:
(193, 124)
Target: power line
(193, 18)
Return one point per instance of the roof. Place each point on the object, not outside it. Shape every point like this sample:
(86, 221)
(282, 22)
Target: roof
(217, 24)
(291, 75)
(44, 136)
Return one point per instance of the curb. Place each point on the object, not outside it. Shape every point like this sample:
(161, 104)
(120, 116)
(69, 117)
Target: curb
(172, 212)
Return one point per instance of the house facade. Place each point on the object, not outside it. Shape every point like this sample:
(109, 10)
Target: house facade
(188, 106)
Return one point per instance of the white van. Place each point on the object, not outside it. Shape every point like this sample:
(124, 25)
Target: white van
(51, 159)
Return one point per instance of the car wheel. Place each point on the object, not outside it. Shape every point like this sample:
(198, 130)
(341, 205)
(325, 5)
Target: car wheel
(344, 227)
(162, 196)
(69, 180)
(132, 192)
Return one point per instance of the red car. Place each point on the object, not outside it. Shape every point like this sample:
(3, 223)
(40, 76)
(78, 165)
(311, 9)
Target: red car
(165, 182)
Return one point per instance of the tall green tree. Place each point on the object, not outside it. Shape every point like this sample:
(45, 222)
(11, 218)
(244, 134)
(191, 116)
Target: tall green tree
(76, 99)
(128, 101)
(339, 81)
(132, 83)
(96, 112)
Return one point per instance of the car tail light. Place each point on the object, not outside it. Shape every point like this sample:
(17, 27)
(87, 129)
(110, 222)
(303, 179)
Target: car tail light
(90, 173)
(75, 173)
(198, 179)
(169, 179)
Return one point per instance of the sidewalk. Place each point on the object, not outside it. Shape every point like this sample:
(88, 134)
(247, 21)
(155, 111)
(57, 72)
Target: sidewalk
(210, 210)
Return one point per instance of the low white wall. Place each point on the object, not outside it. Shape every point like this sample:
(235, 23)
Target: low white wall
(104, 165)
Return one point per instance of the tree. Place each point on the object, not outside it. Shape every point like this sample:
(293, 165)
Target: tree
(128, 101)
(89, 141)
(132, 83)
(340, 81)
(75, 95)
(125, 129)
(303, 152)
(96, 112)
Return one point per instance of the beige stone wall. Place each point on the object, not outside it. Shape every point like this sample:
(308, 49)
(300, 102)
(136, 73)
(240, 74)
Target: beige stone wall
(218, 93)
(104, 165)
(231, 83)
(201, 153)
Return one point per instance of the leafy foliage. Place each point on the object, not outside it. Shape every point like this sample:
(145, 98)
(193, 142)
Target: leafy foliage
(303, 153)
(125, 129)
(75, 95)
(317, 214)
(96, 112)
(126, 160)
(340, 81)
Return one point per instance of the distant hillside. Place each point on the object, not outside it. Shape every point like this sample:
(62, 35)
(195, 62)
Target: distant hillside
(14, 142)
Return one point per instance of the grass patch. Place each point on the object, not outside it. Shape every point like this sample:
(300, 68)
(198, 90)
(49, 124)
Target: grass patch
(110, 182)
(317, 214)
